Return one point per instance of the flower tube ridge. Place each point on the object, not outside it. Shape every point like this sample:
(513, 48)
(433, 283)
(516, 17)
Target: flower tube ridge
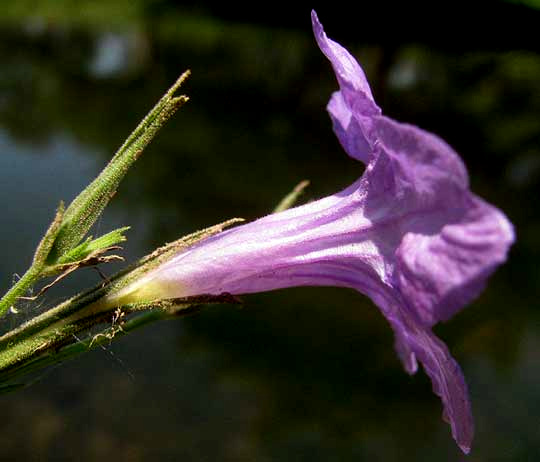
(408, 233)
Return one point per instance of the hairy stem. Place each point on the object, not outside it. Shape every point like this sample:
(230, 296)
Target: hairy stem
(19, 289)
(77, 348)
(58, 341)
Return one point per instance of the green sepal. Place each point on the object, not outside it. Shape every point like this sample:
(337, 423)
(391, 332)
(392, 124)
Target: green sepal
(290, 199)
(165, 252)
(162, 254)
(91, 246)
(46, 244)
(90, 203)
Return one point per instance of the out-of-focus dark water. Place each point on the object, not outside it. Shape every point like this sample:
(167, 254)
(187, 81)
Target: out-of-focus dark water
(300, 374)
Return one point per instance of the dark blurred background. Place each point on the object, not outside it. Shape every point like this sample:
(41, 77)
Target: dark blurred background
(295, 375)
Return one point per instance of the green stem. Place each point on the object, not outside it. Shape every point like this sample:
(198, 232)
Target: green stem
(20, 288)
(52, 340)
(48, 318)
(73, 350)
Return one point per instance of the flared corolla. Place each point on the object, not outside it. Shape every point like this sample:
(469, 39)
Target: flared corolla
(408, 233)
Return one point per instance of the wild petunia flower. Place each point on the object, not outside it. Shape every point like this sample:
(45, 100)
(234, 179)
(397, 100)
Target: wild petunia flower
(408, 233)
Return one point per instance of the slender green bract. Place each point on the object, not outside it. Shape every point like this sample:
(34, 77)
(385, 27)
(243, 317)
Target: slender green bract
(88, 206)
(290, 199)
(60, 251)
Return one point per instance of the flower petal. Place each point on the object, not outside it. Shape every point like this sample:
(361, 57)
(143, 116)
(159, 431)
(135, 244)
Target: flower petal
(409, 234)
(450, 240)
(350, 75)
(442, 272)
(447, 380)
(354, 98)
(351, 134)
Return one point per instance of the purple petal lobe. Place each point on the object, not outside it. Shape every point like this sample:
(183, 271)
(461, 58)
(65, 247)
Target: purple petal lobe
(441, 272)
(448, 383)
(353, 100)
(450, 240)
(351, 77)
(351, 134)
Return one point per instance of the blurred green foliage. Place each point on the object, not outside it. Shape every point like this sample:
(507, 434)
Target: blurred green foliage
(89, 13)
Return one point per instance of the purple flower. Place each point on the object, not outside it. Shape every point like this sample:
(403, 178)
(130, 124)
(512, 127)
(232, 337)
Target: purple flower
(408, 233)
